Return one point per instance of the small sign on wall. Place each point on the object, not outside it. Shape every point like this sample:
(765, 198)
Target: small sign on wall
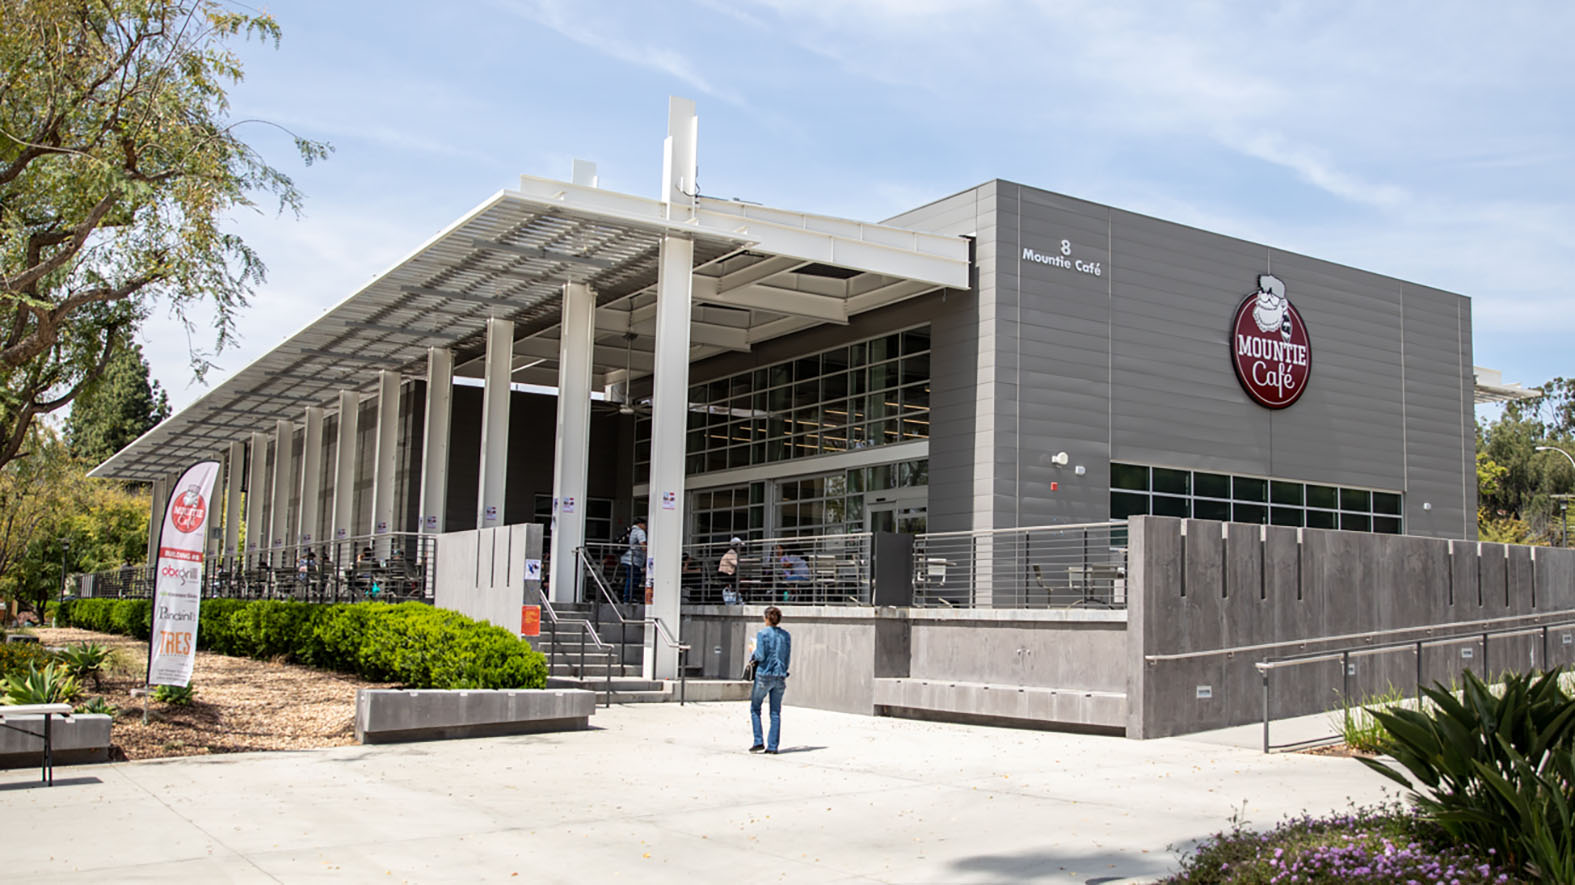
(533, 570)
(530, 620)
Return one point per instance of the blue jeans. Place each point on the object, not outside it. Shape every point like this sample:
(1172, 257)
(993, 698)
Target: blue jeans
(634, 584)
(772, 686)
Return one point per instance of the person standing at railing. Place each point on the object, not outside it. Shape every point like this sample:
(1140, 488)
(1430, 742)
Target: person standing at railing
(772, 652)
(634, 563)
(727, 571)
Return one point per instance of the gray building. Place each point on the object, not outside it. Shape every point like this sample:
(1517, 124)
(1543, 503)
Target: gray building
(1105, 337)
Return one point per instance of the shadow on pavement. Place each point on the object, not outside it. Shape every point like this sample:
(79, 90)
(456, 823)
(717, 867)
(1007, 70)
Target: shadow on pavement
(1044, 864)
(59, 782)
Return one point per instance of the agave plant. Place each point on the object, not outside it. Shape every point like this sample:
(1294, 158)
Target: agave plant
(174, 695)
(99, 705)
(85, 659)
(1495, 771)
(52, 684)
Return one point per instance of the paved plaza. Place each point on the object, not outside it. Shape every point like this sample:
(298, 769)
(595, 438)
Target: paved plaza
(662, 793)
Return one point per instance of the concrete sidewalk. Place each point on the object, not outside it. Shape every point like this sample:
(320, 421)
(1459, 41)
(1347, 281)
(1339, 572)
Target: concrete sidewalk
(662, 793)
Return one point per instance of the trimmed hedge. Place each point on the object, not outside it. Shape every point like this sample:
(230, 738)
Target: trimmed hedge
(410, 643)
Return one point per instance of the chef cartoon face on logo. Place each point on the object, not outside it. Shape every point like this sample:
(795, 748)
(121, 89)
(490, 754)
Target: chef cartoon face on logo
(188, 510)
(1269, 346)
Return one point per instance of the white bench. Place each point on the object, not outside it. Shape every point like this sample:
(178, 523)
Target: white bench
(10, 715)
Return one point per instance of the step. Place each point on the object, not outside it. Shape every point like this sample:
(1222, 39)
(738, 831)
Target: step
(620, 684)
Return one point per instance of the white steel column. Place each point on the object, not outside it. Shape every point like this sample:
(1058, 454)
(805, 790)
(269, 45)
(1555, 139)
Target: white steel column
(256, 494)
(495, 423)
(279, 532)
(311, 477)
(213, 542)
(234, 479)
(434, 449)
(572, 456)
(160, 494)
(670, 393)
(343, 517)
(383, 466)
(669, 425)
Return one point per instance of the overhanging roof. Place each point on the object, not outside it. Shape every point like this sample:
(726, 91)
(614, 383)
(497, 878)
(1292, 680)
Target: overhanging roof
(1491, 388)
(760, 273)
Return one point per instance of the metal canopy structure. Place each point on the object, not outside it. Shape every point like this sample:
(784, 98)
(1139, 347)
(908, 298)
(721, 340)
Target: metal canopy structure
(1490, 387)
(759, 273)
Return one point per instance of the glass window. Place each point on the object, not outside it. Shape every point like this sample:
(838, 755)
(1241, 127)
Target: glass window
(1356, 522)
(915, 340)
(1322, 496)
(1125, 504)
(1168, 505)
(1285, 516)
(1210, 485)
(1128, 476)
(1176, 482)
(1387, 525)
(1256, 513)
(1246, 488)
(1387, 503)
(1356, 499)
(1202, 508)
(1322, 519)
(1286, 493)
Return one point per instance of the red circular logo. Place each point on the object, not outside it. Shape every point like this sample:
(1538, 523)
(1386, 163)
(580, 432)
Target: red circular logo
(1269, 347)
(187, 513)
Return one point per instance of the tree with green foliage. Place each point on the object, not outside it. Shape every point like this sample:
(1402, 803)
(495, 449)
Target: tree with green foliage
(115, 409)
(1517, 485)
(119, 164)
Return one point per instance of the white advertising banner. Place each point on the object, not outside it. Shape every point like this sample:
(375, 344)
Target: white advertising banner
(177, 584)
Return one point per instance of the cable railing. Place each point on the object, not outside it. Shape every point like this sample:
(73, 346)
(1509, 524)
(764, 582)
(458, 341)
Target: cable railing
(805, 570)
(1054, 566)
(390, 567)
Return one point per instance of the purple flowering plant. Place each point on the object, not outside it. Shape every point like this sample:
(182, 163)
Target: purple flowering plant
(1379, 844)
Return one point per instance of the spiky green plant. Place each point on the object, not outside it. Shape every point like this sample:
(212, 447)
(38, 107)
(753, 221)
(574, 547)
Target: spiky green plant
(174, 695)
(51, 684)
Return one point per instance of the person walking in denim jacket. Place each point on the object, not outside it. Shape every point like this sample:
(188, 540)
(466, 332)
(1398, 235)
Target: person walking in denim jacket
(773, 650)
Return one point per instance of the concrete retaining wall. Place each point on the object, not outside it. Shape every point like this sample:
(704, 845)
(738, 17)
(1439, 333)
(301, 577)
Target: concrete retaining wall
(958, 664)
(390, 715)
(483, 573)
(80, 738)
(1208, 600)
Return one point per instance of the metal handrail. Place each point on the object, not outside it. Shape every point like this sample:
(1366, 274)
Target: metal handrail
(554, 620)
(1265, 646)
(672, 641)
(1344, 655)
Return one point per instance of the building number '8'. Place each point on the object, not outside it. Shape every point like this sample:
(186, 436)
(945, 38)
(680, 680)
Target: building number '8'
(1066, 247)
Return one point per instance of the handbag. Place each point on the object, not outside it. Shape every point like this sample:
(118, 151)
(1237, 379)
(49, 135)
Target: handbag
(749, 670)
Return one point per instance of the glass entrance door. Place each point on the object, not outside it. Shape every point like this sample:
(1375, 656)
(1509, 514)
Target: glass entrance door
(906, 512)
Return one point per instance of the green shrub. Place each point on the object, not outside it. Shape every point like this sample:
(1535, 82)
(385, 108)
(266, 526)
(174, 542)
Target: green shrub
(18, 656)
(50, 684)
(409, 643)
(174, 695)
(1494, 769)
(1357, 725)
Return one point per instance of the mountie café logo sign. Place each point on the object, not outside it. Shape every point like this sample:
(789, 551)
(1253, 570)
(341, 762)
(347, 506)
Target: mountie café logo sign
(1269, 346)
(189, 509)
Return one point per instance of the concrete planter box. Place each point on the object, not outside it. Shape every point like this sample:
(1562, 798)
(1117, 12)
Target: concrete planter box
(78, 739)
(388, 716)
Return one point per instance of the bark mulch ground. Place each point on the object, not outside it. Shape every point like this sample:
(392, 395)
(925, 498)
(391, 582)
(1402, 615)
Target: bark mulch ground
(239, 705)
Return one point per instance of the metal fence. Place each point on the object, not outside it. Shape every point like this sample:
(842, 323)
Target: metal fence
(817, 570)
(1038, 567)
(391, 567)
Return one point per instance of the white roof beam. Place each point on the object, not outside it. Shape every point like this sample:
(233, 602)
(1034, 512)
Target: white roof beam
(758, 296)
(642, 321)
(541, 254)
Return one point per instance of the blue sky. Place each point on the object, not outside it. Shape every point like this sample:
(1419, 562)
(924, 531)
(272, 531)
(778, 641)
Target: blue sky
(1429, 141)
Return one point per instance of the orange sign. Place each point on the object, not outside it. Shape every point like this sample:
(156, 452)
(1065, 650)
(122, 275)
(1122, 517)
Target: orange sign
(530, 620)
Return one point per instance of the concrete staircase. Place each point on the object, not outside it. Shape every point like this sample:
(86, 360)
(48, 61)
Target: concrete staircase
(614, 672)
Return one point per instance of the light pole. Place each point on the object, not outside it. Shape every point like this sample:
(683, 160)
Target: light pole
(1563, 512)
(65, 545)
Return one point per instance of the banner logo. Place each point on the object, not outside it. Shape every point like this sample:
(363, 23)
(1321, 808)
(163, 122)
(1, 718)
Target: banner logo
(1269, 346)
(188, 510)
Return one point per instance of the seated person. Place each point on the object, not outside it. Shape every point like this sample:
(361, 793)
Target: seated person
(792, 565)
